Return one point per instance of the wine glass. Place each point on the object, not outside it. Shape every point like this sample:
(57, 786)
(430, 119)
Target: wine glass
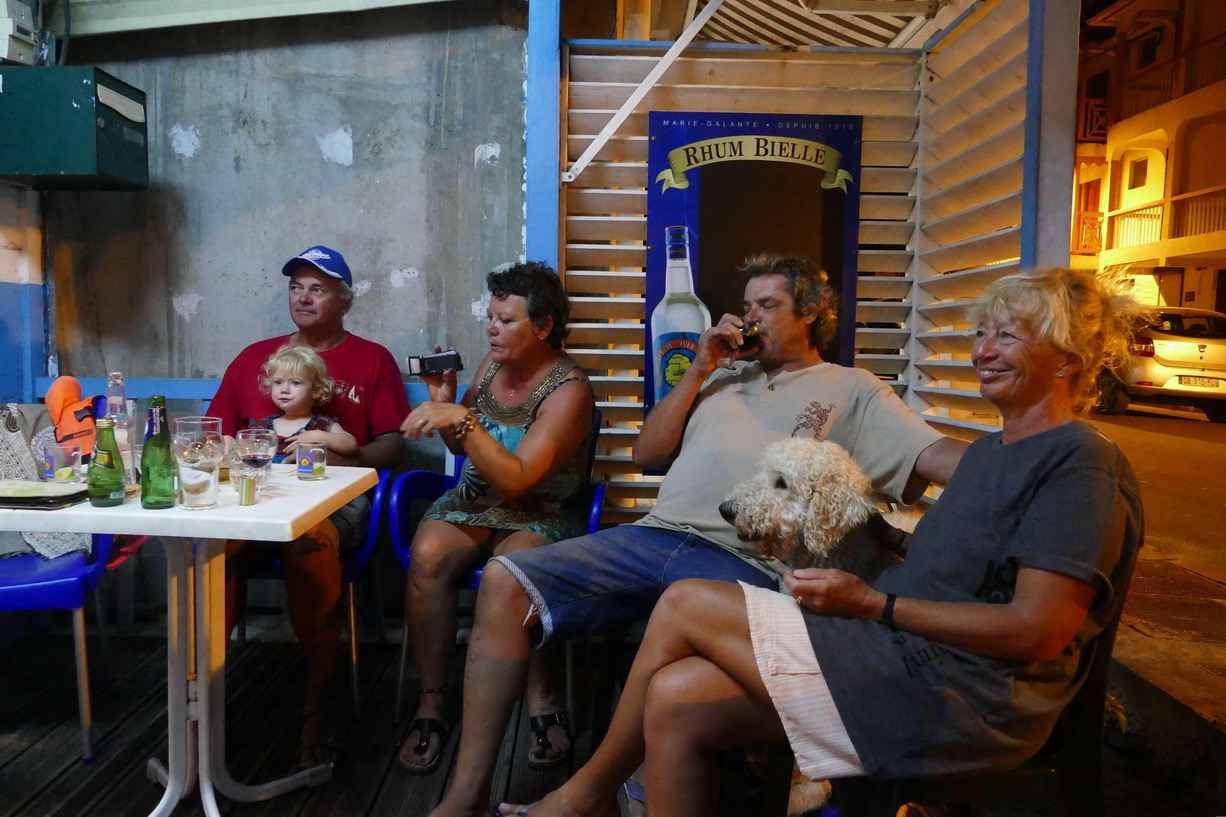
(255, 449)
(750, 336)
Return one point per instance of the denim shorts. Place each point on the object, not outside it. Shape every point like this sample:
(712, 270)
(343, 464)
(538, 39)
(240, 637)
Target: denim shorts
(613, 578)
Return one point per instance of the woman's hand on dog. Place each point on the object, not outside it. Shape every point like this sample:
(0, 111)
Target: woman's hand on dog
(834, 593)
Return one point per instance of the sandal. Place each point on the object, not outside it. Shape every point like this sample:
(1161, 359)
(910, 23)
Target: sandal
(426, 728)
(323, 753)
(540, 728)
(316, 747)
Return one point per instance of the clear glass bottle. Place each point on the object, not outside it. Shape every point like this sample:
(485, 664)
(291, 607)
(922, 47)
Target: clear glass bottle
(679, 319)
(104, 481)
(157, 463)
(117, 411)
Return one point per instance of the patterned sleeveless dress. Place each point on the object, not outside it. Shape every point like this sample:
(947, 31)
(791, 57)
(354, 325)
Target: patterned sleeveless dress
(550, 508)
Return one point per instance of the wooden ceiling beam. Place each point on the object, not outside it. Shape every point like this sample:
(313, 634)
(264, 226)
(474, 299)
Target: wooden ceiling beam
(898, 8)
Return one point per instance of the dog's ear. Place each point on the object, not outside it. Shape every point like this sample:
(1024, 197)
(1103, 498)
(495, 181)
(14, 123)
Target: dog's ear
(839, 500)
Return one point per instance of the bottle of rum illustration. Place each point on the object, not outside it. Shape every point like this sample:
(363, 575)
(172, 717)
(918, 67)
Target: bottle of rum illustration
(679, 319)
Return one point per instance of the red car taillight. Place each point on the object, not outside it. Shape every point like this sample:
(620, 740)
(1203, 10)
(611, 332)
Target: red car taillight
(1141, 347)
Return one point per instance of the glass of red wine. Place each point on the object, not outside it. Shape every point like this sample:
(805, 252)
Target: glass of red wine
(254, 452)
(751, 333)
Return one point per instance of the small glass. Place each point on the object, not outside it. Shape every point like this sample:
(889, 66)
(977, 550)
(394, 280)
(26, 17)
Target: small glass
(750, 333)
(198, 448)
(312, 460)
(62, 462)
(245, 484)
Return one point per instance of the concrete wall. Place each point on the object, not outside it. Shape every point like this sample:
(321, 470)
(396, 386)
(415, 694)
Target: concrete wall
(395, 136)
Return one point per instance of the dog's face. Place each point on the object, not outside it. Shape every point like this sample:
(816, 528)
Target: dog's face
(806, 493)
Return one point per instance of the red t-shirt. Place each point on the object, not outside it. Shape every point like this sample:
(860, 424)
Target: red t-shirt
(370, 399)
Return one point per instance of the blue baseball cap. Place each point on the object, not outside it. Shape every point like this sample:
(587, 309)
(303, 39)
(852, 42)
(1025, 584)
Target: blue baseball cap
(327, 261)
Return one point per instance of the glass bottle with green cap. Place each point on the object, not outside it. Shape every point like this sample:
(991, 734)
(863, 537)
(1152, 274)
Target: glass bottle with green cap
(104, 481)
(157, 464)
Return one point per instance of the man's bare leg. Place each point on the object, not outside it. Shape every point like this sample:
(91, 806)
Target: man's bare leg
(693, 618)
(494, 678)
(313, 589)
(236, 583)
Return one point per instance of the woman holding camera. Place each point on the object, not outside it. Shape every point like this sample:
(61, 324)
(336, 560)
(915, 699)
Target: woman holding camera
(524, 429)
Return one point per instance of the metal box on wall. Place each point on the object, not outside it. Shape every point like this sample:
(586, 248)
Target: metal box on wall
(71, 128)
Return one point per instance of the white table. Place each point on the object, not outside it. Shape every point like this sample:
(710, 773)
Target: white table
(195, 721)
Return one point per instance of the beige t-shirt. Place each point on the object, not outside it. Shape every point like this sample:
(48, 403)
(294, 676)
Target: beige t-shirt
(739, 413)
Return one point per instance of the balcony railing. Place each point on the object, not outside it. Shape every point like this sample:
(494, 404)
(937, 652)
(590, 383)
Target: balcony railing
(1088, 233)
(1190, 71)
(1140, 225)
(1148, 89)
(1092, 121)
(1182, 216)
(1198, 213)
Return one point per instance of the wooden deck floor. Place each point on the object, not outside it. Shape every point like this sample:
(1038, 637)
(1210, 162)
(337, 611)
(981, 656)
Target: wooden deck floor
(41, 774)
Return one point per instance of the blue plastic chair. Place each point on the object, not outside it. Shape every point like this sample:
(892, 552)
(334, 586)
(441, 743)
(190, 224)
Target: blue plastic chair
(30, 582)
(354, 566)
(427, 486)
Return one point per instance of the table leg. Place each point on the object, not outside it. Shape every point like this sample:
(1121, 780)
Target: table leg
(211, 664)
(177, 771)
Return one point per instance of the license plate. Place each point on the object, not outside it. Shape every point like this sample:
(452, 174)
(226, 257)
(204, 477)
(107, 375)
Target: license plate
(1204, 382)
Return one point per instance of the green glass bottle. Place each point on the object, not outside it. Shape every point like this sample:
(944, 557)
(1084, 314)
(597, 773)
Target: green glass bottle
(105, 477)
(157, 463)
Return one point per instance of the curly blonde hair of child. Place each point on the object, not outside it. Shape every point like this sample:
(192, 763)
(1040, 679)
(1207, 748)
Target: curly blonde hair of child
(301, 363)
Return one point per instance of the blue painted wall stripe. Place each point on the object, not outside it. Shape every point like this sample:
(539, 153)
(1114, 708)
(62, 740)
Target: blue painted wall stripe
(541, 131)
(34, 341)
(183, 388)
(12, 338)
(23, 334)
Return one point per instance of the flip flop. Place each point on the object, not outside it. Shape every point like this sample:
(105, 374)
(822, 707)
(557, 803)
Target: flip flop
(540, 729)
(323, 753)
(521, 811)
(426, 728)
(636, 797)
(321, 748)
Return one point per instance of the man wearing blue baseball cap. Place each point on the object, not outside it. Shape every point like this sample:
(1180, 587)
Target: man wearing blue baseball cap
(370, 403)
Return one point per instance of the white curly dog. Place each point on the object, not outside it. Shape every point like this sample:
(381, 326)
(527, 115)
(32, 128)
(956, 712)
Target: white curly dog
(806, 495)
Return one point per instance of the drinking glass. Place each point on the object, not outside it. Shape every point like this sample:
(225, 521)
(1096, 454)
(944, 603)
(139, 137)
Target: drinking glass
(312, 460)
(749, 333)
(62, 462)
(198, 448)
(255, 449)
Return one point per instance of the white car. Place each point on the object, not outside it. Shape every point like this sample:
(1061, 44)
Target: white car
(1180, 358)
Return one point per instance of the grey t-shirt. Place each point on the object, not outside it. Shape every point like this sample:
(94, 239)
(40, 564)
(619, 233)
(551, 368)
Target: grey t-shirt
(739, 413)
(1064, 501)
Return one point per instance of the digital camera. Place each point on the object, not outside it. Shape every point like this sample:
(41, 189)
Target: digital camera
(437, 363)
